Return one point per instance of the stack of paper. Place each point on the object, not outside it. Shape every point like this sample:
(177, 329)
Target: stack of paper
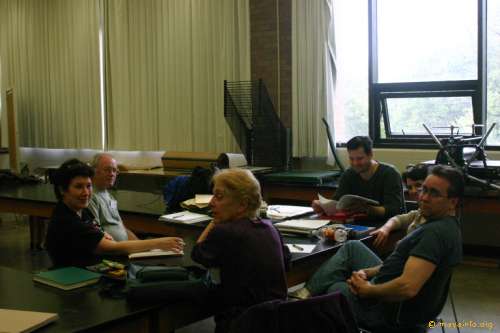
(280, 212)
(301, 226)
(185, 217)
(24, 321)
(203, 199)
(200, 201)
(154, 253)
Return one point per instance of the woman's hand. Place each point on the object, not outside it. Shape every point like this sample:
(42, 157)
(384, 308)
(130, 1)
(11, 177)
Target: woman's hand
(175, 244)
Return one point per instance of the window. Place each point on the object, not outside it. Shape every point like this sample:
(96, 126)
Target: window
(493, 70)
(351, 48)
(426, 65)
(426, 40)
(408, 113)
(432, 62)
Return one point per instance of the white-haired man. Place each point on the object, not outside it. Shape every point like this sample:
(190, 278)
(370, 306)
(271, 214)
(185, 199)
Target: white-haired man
(102, 204)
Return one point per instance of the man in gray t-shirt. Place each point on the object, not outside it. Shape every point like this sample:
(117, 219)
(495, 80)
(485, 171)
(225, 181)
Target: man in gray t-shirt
(371, 179)
(102, 204)
(410, 286)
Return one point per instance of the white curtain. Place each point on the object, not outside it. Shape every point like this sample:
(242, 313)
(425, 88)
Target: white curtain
(49, 50)
(166, 63)
(313, 76)
(2, 102)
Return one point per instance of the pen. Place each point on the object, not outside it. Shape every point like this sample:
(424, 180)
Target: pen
(300, 248)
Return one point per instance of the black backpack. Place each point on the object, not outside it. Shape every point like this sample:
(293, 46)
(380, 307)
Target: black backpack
(167, 283)
(182, 188)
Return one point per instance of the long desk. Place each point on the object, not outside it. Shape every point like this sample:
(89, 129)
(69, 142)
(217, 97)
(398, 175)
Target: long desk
(480, 216)
(85, 309)
(140, 212)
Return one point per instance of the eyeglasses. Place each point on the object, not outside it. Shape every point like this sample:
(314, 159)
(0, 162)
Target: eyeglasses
(111, 170)
(432, 192)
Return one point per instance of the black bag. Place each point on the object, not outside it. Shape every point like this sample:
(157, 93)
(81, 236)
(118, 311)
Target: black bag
(182, 188)
(163, 283)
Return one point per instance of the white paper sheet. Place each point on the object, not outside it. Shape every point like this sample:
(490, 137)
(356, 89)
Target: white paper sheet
(328, 206)
(301, 248)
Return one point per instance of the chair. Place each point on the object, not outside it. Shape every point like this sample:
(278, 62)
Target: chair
(400, 316)
(326, 313)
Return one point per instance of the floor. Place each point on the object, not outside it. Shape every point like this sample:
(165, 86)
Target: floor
(475, 285)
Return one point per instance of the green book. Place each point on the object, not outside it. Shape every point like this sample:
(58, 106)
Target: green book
(67, 278)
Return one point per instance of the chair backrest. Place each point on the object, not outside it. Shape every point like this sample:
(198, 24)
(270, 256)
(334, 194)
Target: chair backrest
(403, 314)
(403, 204)
(326, 313)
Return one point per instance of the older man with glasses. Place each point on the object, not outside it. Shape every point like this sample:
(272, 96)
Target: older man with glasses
(410, 286)
(102, 204)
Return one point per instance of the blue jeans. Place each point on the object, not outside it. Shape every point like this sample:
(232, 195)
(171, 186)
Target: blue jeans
(332, 276)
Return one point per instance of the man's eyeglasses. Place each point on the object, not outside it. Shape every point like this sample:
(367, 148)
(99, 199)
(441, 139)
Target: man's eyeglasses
(111, 170)
(431, 192)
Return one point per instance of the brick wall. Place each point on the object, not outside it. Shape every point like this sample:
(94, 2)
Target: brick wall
(271, 51)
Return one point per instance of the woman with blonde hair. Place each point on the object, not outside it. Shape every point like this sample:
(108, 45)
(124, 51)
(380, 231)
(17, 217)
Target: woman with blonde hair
(247, 250)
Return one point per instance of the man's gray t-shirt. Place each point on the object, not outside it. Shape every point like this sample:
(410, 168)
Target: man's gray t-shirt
(437, 241)
(385, 186)
(105, 209)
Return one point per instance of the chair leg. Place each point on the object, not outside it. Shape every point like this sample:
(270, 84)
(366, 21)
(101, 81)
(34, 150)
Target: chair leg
(453, 308)
(441, 324)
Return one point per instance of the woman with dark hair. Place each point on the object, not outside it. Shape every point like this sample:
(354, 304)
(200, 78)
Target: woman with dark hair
(247, 251)
(413, 178)
(73, 239)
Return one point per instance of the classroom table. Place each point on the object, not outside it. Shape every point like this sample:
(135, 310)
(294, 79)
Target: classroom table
(480, 210)
(88, 309)
(85, 308)
(140, 212)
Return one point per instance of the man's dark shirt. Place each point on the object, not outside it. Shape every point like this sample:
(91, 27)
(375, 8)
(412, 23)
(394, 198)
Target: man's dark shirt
(71, 240)
(385, 186)
(437, 241)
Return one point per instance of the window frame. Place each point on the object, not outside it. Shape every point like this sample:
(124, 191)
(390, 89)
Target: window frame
(379, 92)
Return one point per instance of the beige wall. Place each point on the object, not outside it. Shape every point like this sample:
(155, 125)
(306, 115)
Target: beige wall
(400, 158)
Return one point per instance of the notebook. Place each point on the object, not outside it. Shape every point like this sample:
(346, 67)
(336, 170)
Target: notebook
(67, 278)
(359, 231)
(154, 253)
(24, 321)
(185, 217)
(280, 212)
(203, 199)
(301, 226)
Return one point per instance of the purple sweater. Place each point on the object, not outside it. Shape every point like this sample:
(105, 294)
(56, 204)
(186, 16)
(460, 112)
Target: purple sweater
(250, 256)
